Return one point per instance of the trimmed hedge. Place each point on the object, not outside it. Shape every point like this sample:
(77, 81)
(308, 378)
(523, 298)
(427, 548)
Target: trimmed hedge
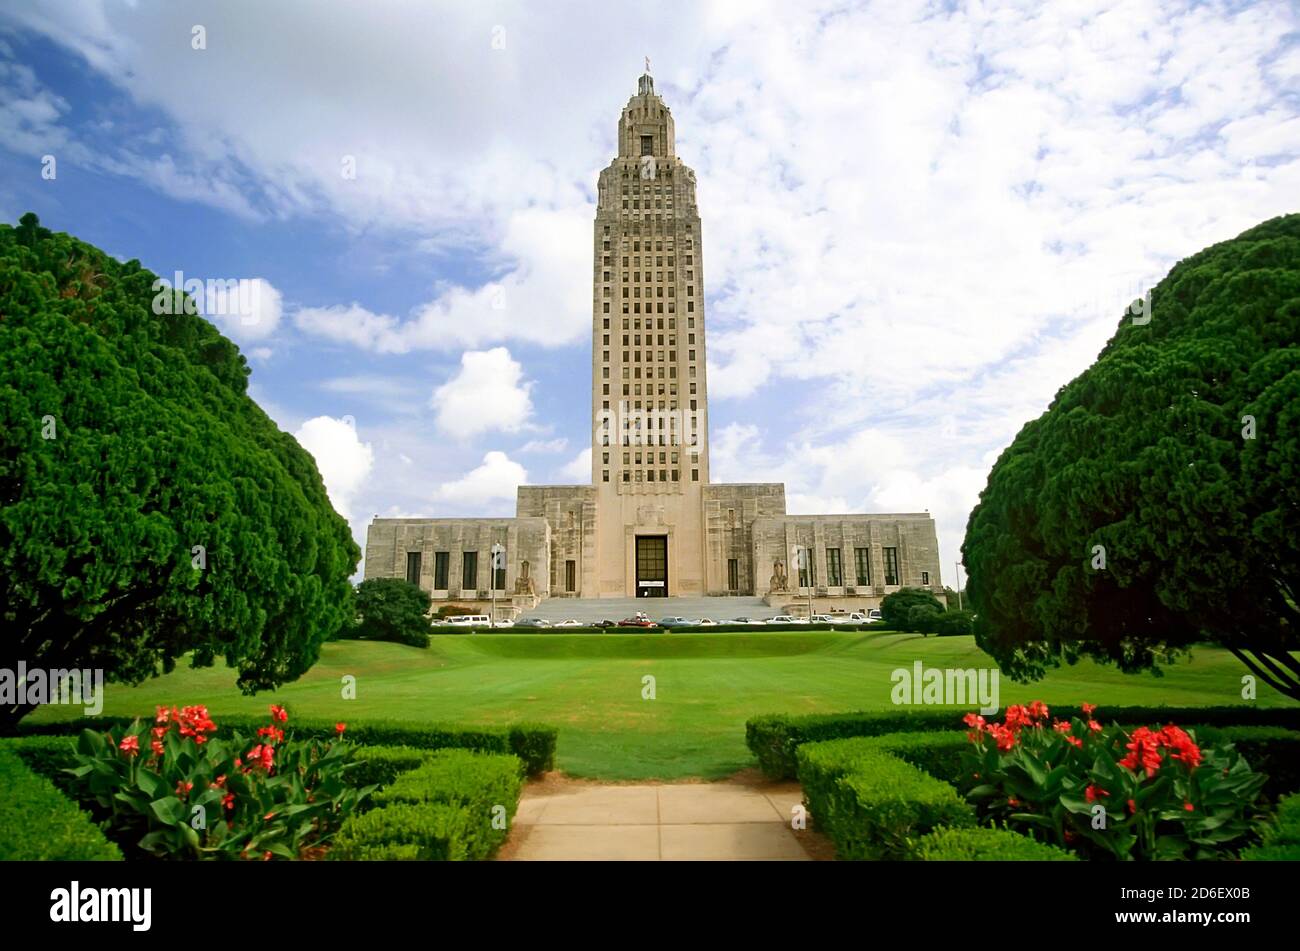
(534, 743)
(773, 738)
(39, 823)
(709, 629)
(939, 754)
(46, 756)
(873, 805)
(381, 765)
(983, 844)
(1281, 842)
(446, 808)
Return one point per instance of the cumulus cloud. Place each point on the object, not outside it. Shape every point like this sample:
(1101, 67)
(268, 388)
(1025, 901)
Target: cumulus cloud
(487, 393)
(578, 469)
(343, 459)
(246, 310)
(496, 479)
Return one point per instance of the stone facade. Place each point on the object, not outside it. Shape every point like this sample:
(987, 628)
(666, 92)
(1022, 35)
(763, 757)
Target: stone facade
(651, 523)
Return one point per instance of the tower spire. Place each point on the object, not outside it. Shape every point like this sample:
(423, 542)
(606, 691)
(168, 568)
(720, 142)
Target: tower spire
(646, 85)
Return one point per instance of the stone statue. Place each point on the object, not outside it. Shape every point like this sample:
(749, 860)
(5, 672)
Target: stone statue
(780, 581)
(524, 583)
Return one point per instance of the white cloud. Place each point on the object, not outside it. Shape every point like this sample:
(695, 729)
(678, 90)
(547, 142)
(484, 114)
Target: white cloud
(487, 393)
(245, 310)
(558, 444)
(496, 479)
(578, 469)
(343, 459)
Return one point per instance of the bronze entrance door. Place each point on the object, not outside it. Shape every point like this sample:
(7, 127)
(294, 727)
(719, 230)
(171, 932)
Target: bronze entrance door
(652, 566)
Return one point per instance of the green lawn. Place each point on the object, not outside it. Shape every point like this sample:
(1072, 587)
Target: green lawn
(707, 685)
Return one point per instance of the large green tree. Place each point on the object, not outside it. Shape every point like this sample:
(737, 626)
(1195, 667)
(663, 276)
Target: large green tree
(1157, 501)
(148, 507)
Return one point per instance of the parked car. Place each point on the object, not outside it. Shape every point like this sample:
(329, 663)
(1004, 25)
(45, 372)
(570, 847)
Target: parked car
(874, 615)
(571, 622)
(503, 624)
(640, 621)
(468, 620)
(605, 623)
(787, 619)
(532, 622)
(675, 622)
(706, 622)
(821, 619)
(855, 617)
(744, 620)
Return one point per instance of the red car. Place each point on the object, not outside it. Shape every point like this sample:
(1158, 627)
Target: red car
(637, 622)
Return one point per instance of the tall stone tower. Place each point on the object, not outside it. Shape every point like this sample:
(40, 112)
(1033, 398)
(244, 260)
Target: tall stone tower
(649, 398)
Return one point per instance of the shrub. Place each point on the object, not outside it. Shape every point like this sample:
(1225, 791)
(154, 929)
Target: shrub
(983, 844)
(172, 789)
(954, 623)
(48, 756)
(774, 738)
(894, 608)
(1160, 794)
(534, 743)
(38, 823)
(380, 765)
(454, 610)
(392, 609)
(404, 832)
(482, 789)
(1281, 839)
(873, 805)
(942, 755)
(922, 619)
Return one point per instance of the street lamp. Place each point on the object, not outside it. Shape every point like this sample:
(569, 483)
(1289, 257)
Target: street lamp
(799, 558)
(498, 562)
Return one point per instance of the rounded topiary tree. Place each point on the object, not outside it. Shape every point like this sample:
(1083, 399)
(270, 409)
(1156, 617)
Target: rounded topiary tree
(148, 507)
(895, 607)
(392, 609)
(1157, 501)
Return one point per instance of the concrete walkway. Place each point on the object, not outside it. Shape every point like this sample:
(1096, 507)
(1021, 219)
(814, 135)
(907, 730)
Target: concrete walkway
(564, 820)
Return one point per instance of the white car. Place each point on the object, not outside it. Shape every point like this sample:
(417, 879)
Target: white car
(787, 619)
(569, 623)
(706, 622)
(469, 620)
(504, 624)
(822, 619)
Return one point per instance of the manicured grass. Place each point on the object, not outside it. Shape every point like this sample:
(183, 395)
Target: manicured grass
(707, 685)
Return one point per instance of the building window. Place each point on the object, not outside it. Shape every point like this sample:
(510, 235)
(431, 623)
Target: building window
(469, 570)
(604, 475)
(695, 475)
(833, 567)
(733, 574)
(441, 566)
(570, 575)
(647, 144)
(499, 579)
(413, 567)
(862, 558)
(925, 578)
(891, 566)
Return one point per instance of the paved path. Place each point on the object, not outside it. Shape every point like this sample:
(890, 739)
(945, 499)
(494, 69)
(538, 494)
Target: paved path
(561, 819)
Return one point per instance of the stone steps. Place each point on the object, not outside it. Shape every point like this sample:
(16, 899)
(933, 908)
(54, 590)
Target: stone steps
(615, 609)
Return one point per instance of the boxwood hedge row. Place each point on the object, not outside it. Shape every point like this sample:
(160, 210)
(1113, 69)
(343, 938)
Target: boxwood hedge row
(773, 739)
(533, 743)
(983, 844)
(37, 822)
(1281, 840)
(456, 805)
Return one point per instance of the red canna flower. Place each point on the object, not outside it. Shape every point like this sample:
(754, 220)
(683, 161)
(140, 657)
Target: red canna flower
(157, 747)
(971, 719)
(1038, 710)
(1132, 806)
(1060, 726)
(1094, 726)
(228, 800)
(161, 715)
(130, 745)
(1074, 741)
(340, 727)
(278, 713)
(1017, 717)
(1012, 801)
(1088, 709)
(1092, 793)
(1189, 807)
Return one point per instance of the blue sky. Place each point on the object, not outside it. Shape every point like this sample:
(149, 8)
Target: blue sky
(920, 220)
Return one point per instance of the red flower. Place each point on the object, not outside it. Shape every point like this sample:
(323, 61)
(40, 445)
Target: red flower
(1074, 741)
(1092, 793)
(1132, 806)
(1012, 801)
(228, 800)
(1189, 807)
(1005, 738)
(1144, 753)
(183, 788)
(1182, 745)
(1088, 708)
(340, 727)
(157, 747)
(1094, 726)
(130, 745)
(161, 715)
(1017, 717)
(1038, 710)
(277, 712)
(970, 719)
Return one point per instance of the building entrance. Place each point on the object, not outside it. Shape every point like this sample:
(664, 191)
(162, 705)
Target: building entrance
(652, 566)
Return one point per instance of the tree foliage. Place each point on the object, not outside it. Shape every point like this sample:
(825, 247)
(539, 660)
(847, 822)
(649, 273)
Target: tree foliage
(392, 609)
(130, 453)
(1157, 501)
(895, 608)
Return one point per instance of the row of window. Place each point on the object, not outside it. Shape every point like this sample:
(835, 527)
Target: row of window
(649, 373)
(649, 339)
(862, 569)
(651, 356)
(648, 475)
(442, 570)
